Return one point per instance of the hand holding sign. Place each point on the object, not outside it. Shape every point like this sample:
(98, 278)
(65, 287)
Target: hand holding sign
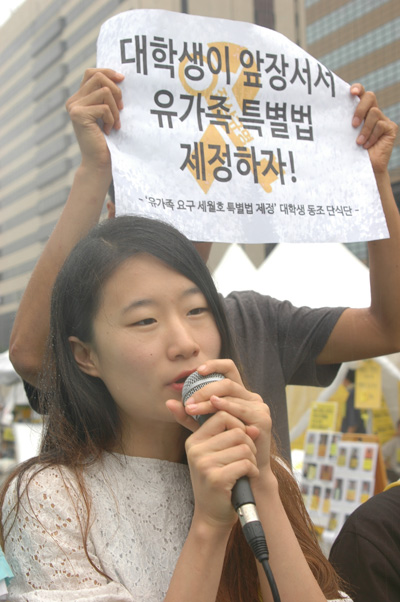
(378, 132)
(98, 98)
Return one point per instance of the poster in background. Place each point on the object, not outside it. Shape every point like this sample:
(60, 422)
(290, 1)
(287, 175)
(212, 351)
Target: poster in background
(368, 386)
(323, 416)
(233, 133)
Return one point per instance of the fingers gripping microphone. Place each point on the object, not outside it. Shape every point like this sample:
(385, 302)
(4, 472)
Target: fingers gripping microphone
(241, 492)
(242, 496)
(194, 383)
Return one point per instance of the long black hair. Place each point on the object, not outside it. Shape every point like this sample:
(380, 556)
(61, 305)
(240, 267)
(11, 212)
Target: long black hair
(79, 406)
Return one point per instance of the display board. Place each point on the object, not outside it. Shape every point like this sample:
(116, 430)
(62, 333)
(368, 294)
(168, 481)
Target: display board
(340, 472)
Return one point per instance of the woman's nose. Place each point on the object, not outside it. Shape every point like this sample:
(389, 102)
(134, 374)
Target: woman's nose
(182, 343)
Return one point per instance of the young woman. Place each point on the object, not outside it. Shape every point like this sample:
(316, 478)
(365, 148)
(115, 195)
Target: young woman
(129, 498)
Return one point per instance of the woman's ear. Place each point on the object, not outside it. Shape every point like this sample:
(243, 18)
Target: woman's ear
(110, 209)
(83, 355)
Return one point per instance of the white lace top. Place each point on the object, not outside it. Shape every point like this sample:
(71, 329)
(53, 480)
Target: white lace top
(140, 517)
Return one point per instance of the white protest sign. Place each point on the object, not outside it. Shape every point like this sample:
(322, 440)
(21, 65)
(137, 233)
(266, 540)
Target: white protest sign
(232, 133)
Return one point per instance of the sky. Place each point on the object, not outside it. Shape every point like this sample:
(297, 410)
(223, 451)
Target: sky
(7, 7)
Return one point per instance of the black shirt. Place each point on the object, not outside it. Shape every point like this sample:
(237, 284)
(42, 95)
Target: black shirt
(366, 553)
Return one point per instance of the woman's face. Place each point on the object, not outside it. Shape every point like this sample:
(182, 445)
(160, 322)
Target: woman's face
(153, 328)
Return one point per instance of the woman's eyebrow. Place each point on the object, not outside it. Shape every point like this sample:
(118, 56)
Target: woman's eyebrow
(193, 290)
(138, 303)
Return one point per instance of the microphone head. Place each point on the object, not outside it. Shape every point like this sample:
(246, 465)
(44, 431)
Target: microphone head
(196, 381)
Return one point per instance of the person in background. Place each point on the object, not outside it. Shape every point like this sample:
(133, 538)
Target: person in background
(391, 455)
(366, 552)
(130, 498)
(352, 421)
(278, 344)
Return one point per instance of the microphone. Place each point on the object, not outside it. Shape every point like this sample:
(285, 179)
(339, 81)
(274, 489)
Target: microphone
(242, 496)
(195, 382)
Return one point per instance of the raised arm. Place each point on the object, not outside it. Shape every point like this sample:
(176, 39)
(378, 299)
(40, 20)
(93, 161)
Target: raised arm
(373, 331)
(98, 97)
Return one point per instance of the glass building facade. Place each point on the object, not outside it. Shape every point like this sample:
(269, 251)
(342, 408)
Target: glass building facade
(360, 41)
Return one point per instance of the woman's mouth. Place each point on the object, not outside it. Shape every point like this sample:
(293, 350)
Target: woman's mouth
(178, 383)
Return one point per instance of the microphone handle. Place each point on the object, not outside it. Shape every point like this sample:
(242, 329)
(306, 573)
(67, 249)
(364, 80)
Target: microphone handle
(242, 493)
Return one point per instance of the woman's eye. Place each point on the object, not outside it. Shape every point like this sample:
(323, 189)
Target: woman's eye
(144, 322)
(197, 311)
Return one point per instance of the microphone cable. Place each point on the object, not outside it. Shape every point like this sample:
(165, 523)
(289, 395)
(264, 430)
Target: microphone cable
(245, 506)
(242, 497)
